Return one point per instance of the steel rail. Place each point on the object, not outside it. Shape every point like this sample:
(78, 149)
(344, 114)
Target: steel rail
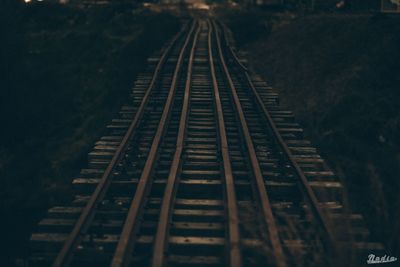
(80, 228)
(303, 181)
(126, 242)
(259, 180)
(161, 237)
(235, 257)
(230, 47)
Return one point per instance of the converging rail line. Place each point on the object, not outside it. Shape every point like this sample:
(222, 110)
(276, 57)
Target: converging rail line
(202, 168)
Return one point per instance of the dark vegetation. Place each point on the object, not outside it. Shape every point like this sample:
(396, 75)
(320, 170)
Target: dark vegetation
(339, 73)
(64, 73)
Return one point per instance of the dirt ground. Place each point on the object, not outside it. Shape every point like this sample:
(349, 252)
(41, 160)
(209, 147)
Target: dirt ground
(339, 73)
(65, 72)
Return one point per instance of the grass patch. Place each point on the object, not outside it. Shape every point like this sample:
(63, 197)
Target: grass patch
(65, 72)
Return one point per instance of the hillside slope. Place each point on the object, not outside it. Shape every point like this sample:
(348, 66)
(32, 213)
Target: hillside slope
(65, 72)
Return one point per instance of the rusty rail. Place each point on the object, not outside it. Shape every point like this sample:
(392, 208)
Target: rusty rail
(259, 180)
(235, 258)
(303, 181)
(161, 237)
(80, 228)
(126, 242)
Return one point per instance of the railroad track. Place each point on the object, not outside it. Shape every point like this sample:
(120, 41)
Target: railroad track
(202, 168)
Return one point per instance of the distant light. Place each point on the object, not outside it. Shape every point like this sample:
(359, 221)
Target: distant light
(27, 1)
(201, 6)
(40, 0)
